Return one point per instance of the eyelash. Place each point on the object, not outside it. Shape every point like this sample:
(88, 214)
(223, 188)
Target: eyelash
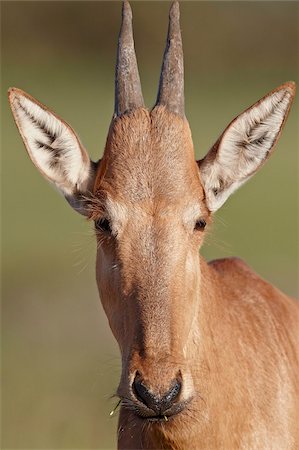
(103, 225)
(200, 225)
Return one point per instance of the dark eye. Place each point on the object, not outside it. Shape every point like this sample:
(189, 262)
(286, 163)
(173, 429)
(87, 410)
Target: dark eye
(200, 225)
(103, 225)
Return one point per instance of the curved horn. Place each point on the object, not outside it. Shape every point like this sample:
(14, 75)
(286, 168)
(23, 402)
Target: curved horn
(171, 87)
(128, 93)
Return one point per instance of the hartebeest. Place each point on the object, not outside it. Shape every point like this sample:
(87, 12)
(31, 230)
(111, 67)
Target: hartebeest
(209, 350)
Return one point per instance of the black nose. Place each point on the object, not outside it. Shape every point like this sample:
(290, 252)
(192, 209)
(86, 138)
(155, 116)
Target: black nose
(158, 403)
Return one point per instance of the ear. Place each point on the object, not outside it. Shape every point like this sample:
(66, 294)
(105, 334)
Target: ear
(245, 145)
(54, 148)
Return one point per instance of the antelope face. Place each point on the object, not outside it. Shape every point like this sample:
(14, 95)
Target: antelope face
(150, 214)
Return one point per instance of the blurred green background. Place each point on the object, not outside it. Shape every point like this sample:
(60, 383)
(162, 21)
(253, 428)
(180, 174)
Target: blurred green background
(60, 363)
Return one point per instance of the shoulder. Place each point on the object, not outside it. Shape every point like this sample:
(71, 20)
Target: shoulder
(224, 264)
(238, 280)
(235, 269)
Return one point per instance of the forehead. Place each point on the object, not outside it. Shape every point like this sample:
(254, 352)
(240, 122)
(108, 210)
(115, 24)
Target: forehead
(149, 156)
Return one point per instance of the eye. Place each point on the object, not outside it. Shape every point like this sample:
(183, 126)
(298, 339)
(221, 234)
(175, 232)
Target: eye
(200, 225)
(103, 225)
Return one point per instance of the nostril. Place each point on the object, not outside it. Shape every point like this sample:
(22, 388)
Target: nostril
(173, 392)
(158, 403)
(142, 392)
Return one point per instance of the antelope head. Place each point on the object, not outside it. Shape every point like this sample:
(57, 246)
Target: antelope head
(150, 202)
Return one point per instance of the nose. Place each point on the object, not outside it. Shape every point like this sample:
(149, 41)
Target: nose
(156, 402)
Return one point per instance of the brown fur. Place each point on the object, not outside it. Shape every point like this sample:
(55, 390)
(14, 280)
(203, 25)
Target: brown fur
(233, 336)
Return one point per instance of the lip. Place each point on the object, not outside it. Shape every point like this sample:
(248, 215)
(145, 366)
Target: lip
(169, 414)
(158, 419)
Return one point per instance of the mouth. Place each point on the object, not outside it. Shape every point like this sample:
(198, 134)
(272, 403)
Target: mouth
(159, 418)
(146, 414)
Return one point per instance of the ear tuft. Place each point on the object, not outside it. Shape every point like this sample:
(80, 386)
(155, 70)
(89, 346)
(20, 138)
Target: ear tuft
(52, 145)
(245, 145)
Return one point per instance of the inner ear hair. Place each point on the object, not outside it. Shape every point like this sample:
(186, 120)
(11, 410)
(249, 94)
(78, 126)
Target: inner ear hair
(245, 145)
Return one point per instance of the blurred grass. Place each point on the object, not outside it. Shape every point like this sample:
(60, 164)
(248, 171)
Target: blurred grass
(59, 361)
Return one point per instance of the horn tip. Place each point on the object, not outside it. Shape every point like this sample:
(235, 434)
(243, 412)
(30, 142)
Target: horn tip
(174, 10)
(127, 11)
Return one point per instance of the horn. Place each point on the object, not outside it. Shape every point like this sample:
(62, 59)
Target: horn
(171, 86)
(128, 94)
